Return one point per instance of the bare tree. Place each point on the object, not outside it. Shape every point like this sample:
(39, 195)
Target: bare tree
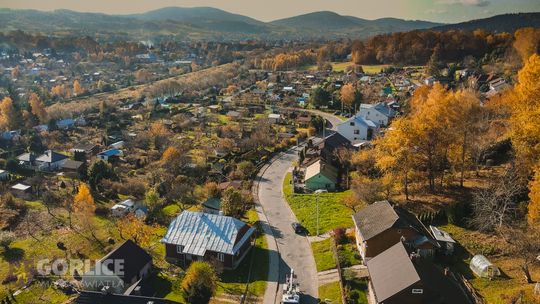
(495, 206)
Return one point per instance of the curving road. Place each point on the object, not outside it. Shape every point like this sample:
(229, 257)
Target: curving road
(287, 249)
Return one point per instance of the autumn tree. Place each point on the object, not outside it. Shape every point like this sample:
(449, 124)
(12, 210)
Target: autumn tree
(152, 200)
(83, 202)
(77, 88)
(350, 96)
(142, 75)
(465, 116)
(160, 134)
(134, 228)
(15, 73)
(38, 107)
(395, 153)
(9, 116)
(524, 122)
(199, 283)
(234, 203)
(171, 159)
(526, 42)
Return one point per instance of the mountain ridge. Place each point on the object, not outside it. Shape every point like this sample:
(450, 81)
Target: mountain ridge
(216, 24)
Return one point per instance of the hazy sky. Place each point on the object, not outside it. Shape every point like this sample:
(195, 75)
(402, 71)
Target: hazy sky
(266, 10)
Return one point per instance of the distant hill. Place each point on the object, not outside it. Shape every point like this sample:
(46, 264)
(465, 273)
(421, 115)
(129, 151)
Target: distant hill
(318, 21)
(215, 24)
(336, 24)
(206, 17)
(499, 23)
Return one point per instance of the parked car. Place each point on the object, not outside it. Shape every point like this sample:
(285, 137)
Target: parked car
(298, 228)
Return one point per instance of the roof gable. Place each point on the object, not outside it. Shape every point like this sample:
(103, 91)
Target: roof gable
(391, 272)
(375, 219)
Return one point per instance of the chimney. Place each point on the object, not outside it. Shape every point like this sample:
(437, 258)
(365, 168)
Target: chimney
(446, 271)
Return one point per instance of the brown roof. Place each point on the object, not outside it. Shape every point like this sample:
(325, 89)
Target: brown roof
(394, 270)
(375, 219)
(391, 272)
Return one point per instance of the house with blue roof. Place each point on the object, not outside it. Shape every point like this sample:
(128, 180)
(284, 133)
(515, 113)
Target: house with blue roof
(199, 236)
(358, 129)
(110, 154)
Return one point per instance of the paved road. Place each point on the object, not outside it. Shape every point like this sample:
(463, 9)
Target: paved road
(287, 249)
(294, 250)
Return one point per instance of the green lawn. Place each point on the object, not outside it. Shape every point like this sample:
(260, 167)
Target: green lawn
(374, 69)
(332, 213)
(330, 293)
(348, 255)
(324, 258)
(357, 291)
(234, 281)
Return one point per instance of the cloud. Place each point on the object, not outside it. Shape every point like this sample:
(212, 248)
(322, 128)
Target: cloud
(436, 11)
(480, 3)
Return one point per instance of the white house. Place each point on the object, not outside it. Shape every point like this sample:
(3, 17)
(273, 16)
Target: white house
(274, 118)
(380, 113)
(50, 161)
(357, 129)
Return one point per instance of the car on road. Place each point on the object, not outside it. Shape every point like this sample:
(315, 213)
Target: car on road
(298, 228)
(337, 113)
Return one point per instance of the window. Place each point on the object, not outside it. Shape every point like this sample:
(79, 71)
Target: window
(356, 131)
(221, 257)
(352, 123)
(417, 291)
(179, 249)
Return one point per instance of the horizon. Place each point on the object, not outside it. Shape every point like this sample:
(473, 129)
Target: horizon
(440, 11)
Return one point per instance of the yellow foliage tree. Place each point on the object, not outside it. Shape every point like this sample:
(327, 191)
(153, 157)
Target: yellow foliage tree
(134, 228)
(526, 41)
(83, 201)
(348, 95)
(7, 114)
(38, 107)
(77, 88)
(525, 113)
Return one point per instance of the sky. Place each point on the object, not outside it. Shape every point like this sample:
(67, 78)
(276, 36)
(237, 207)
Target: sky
(447, 11)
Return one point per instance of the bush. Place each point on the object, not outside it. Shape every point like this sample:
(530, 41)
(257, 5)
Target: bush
(340, 236)
(199, 283)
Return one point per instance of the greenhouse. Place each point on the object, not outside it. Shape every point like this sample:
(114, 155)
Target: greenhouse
(482, 267)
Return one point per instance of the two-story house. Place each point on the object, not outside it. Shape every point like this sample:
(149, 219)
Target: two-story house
(380, 225)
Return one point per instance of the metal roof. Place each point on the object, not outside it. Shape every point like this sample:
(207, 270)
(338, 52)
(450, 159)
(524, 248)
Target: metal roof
(441, 235)
(198, 232)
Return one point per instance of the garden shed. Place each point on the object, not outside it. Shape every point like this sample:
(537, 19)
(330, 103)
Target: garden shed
(483, 268)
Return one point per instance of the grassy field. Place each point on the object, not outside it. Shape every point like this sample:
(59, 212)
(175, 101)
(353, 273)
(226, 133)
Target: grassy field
(332, 213)
(374, 69)
(330, 293)
(324, 258)
(500, 290)
(342, 66)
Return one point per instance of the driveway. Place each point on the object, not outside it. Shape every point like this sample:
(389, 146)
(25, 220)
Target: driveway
(294, 250)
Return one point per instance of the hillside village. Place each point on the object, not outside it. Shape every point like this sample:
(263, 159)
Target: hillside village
(262, 172)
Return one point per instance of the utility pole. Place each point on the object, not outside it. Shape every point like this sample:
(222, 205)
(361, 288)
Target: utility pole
(317, 192)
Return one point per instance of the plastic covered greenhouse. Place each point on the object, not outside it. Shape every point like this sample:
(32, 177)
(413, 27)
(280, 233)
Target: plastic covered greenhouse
(482, 267)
